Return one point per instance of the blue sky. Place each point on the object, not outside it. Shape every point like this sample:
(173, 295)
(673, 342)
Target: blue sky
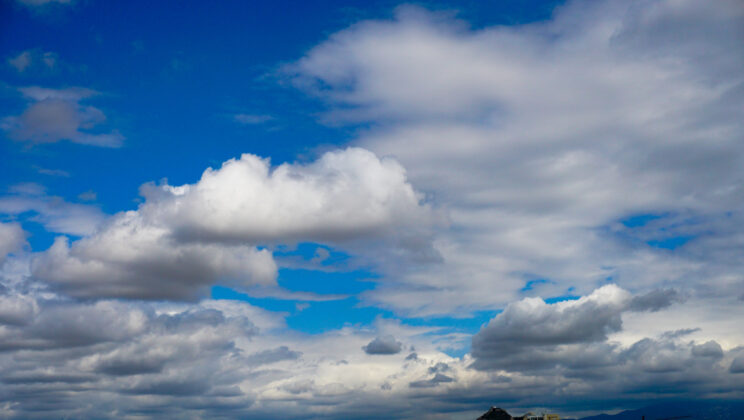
(189, 71)
(307, 208)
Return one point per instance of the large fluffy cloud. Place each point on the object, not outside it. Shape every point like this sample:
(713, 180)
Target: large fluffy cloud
(541, 138)
(533, 323)
(183, 239)
(343, 195)
(532, 334)
(575, 343)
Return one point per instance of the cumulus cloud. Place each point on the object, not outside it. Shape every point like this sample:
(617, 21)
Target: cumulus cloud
(541, 138)
(383, 345)
(533, 335)
(57, 114)
(343, 195)
(532, 324)
(12, 238)
(183, 239)
(587, 319)
(129, 260)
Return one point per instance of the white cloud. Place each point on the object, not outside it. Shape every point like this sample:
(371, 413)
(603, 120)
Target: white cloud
(538, 139)
(343, 195)
(130, 260)
(56, 214)
(183, 239)
(12, 238)
(56, 114)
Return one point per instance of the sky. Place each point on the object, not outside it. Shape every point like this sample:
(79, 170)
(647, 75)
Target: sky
(363, 210)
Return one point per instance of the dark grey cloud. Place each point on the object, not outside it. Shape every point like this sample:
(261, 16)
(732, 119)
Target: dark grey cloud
(438, 378)
(655, 300)
(531, 329)
(708, 349)
(531, 335)
(42, 378)
(179, 388)
(679, 333)
(737, 365)
(124, 366)
(73, 357)
(272, 355)
(383, 345)
(185, 361)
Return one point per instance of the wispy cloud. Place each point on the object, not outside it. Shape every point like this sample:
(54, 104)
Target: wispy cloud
(30, 59)
(52, 172)
(56, 214)
(57, 114)
(252, 119)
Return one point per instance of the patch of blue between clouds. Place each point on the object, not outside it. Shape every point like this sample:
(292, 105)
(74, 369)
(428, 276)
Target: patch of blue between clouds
(563, 298)
(38, 237)
(650, 230)
(309, 251)
(670, 243)
(532, 283)
(326, 282)
(316, 317)
(640, 220)
(311, 317)
(333, 278)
